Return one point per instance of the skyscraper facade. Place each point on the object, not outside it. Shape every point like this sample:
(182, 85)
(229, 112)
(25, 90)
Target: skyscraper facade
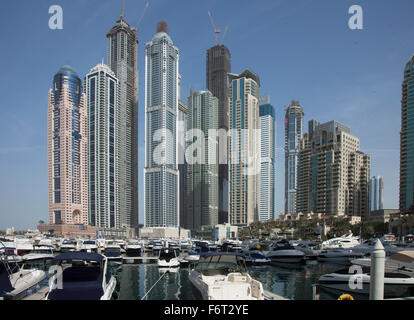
(67, 141)
(267, 162)
(202, 173)
(102, 100)
(161, 186)
(407, 138)
(244, 148)
(376, 189)
(218, 67)
(293, 134)
(122, 58)
(182, 120)
(334, 173)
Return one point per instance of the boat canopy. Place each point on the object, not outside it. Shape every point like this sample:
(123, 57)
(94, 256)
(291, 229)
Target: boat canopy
(88, 256)
(406, 256)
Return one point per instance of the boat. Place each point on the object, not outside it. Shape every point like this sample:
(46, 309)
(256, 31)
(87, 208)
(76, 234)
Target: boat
(40, 253)
(345, 242)
(16, 281)
(88, 246)
(367, 246)
(283, 251)
(185, 245)
(310, 249)
(23, 246)
(133, 248)
(256, 257)
(223, 276)
(168, 258)
(85, 276)
(113, 252)
(67, 246)
(339, 256)
(193, 254)
(398, 277)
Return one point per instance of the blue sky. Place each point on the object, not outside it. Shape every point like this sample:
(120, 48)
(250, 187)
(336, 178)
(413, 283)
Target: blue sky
(301, 50)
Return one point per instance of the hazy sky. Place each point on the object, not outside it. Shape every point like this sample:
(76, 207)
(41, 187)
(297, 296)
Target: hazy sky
(300, 49)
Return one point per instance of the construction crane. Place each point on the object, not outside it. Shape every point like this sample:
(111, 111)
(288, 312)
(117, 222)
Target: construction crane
(142, 15)
(216, 30)
(224, 34)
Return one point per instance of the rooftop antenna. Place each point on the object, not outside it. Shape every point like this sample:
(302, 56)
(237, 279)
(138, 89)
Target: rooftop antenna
(216, 30)
(142, 14)
(123, 9)
(224, 35)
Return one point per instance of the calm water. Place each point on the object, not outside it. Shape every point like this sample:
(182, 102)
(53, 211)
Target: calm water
(290, 281)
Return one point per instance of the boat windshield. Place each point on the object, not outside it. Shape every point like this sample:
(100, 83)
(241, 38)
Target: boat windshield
(167, 254)
(89, 242)
(221, 265)
(113, 249)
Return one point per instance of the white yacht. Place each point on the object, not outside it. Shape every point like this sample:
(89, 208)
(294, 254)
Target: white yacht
(193, 254)
(88, 246)
(339, 256)
(168, 258)
(67, 246)
(310, 250)
(40, 253)
(133, 248)
(256, 257)
(16, 281)
(398, 277)
(113, 251)
(283, 251)
(223, 276)
(367, 246)
(345, 242)
(23, 246)
(85, 276)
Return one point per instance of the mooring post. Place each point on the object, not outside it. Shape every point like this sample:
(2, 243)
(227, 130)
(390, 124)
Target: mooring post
(376, 289)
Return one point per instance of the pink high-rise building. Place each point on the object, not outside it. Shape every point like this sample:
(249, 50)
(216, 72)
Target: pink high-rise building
(67, 141)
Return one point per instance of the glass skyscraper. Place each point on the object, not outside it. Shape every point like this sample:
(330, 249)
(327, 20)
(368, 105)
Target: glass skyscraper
(67, 142)
(203, 179)
(407, 138)
(122, 58)
(218, 67)
(293, 134)
(102, 100)
(267, 162)
(161, 188)
(376, 189)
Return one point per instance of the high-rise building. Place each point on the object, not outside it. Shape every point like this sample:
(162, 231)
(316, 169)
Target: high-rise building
(67, 141)
(407, 138)
(122, 58)
(333, 174)
(218, 68)
(102, 101)
(376, 189)
(161, 185)
(202, 171)
(293, 134)
(182, 163)
(267, 162)
(244, 148)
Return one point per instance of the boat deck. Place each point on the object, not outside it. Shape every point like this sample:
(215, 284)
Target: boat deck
(39, 295)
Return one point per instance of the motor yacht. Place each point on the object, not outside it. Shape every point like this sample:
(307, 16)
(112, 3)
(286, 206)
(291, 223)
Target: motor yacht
(256, 257)
(339, 256)
(345, 242)
(168, 258)
(23, 246)
(67, 246)
(310, 249)
(85, 276)
(133, 248)
(283, 251)
(113, 252)
(16, 281)
(88, 246)
(223, 276)
(40, 253)
(193, 254)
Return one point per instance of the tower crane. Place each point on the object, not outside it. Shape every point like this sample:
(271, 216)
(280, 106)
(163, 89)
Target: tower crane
(216, 30)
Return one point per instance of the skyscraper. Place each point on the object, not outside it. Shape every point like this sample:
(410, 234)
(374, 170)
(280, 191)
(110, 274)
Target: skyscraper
(161, 187)
(102, 100)
(376, 189)
(407, 138)
(218, 67)
(122, 58)
(182, 163)
(203, 180)
(67, 141)
(267, 161)
(333, 173)
(293, 133)
(244, 148)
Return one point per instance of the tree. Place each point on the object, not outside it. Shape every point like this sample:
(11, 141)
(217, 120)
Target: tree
(41, 222)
